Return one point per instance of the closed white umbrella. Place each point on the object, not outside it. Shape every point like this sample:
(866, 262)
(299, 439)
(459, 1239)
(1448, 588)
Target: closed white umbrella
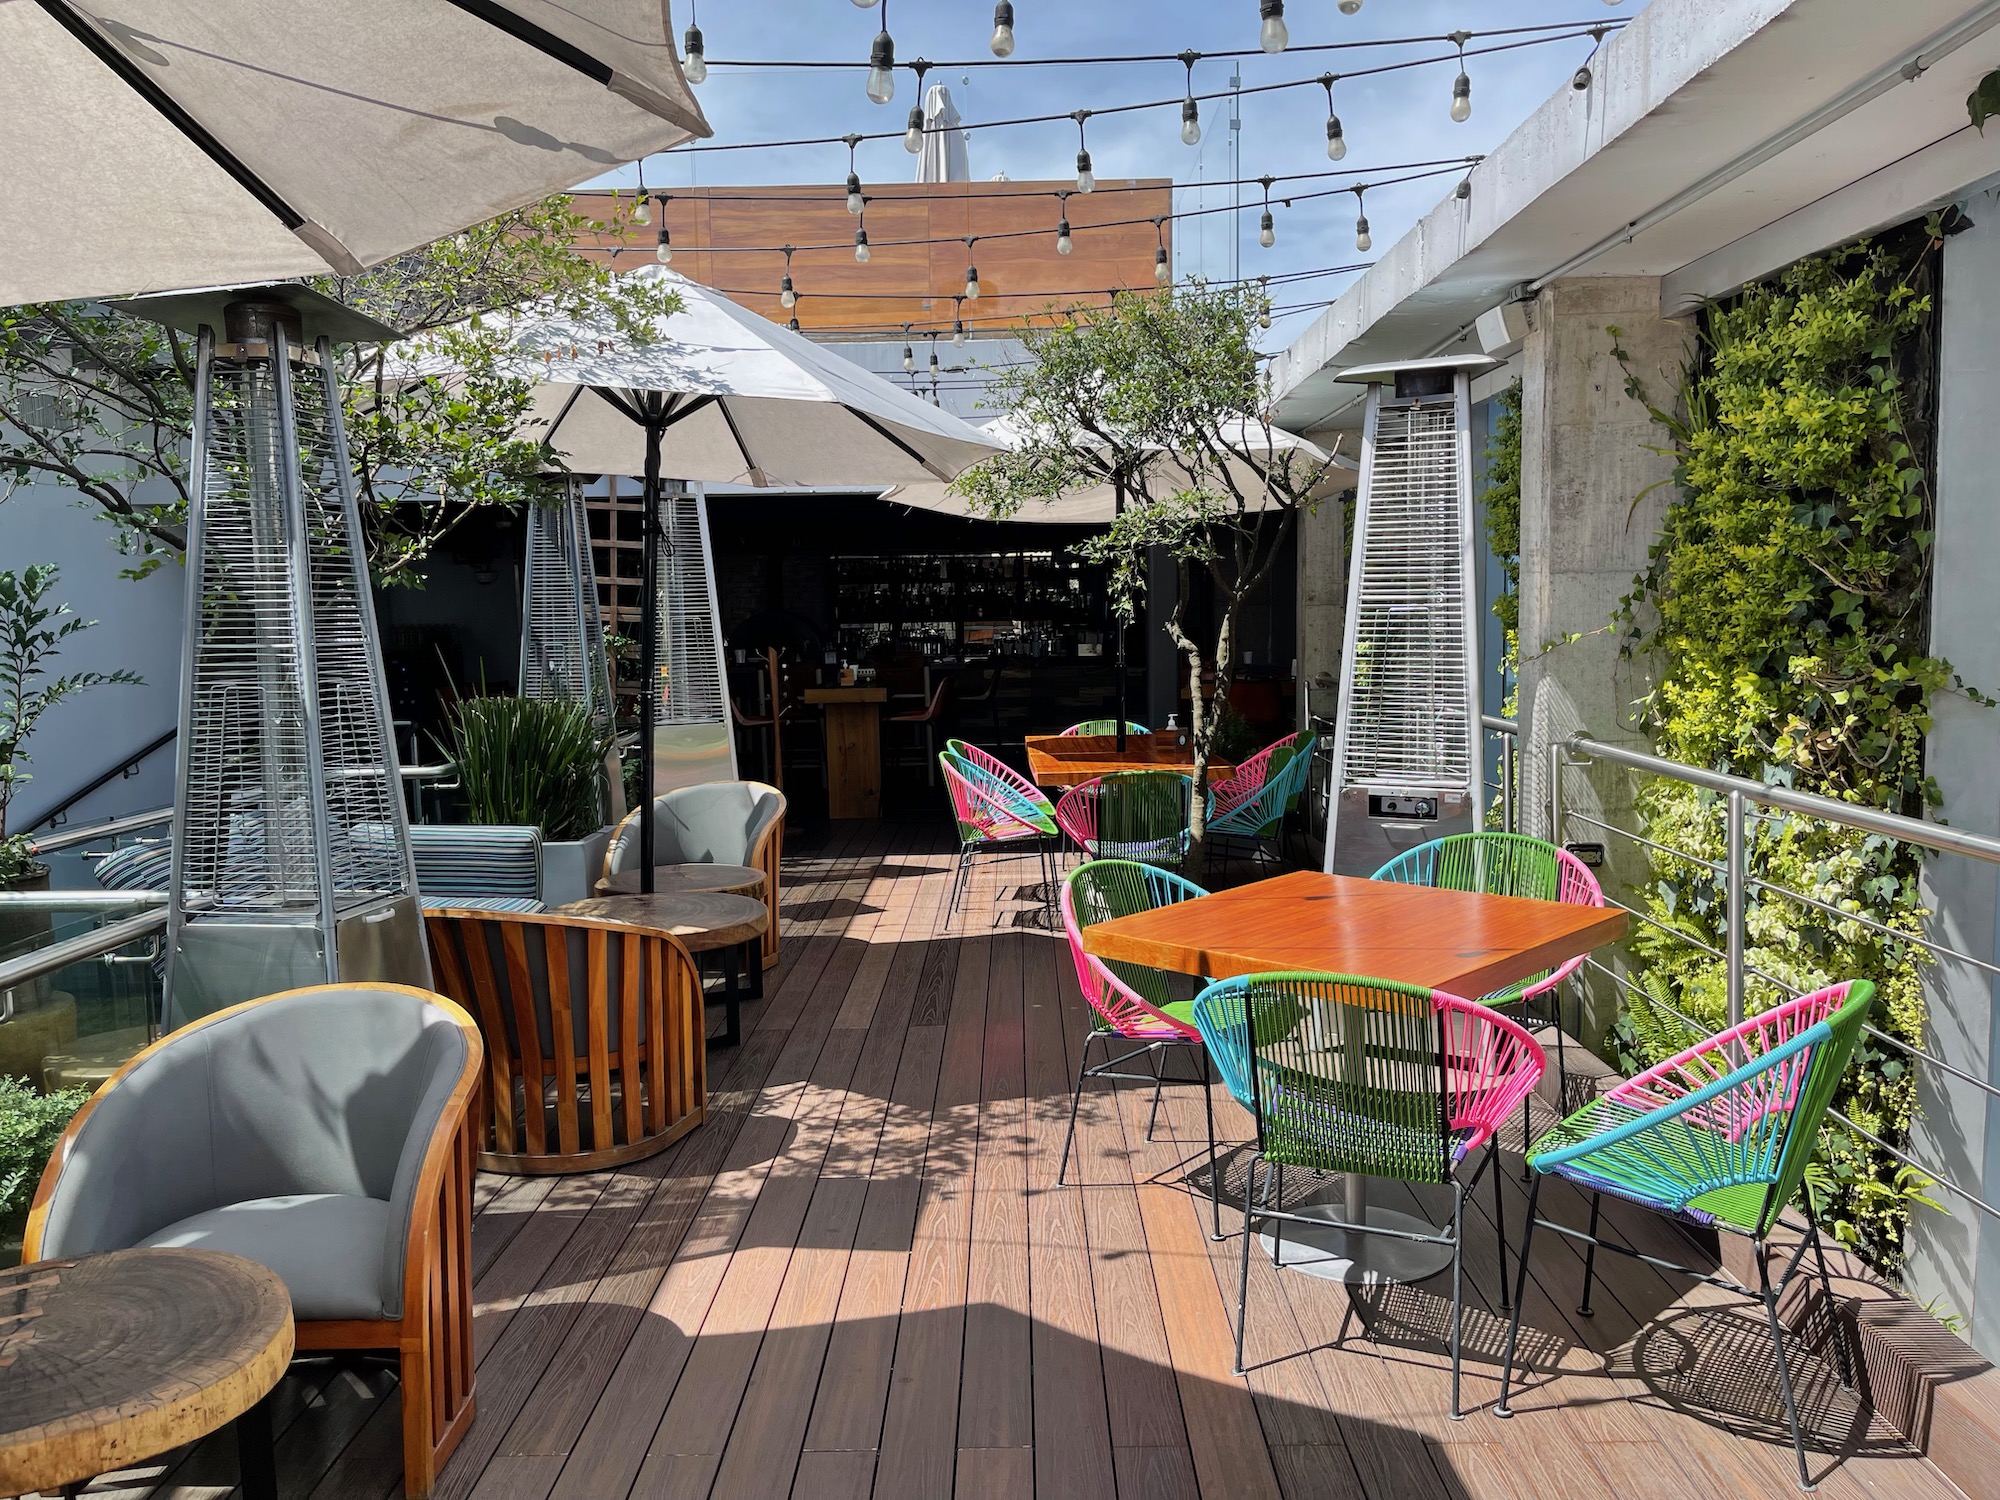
(944, 157)
(718, 395)
(186, 143)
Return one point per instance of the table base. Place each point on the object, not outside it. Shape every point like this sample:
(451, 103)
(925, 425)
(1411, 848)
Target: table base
(1336, 1253)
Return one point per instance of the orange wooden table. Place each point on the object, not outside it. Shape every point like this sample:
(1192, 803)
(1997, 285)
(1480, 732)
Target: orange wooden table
(1071, 759)
(1459, 942)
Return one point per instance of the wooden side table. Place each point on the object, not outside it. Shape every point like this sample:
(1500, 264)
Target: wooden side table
(681, 880)
(853, 749)
(108, 1360)
(731, 927)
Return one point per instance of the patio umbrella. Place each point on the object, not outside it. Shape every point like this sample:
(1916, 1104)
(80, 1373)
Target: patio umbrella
(180, 143)
(945, 157)
(1255, 452)
(740, 399)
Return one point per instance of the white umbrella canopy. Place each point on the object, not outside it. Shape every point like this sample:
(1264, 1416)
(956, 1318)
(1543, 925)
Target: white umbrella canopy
(749, 402)
(1254, 449)
(945, 157)
(234, 142)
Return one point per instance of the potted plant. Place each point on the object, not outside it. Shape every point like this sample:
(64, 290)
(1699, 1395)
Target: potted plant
(540, 762)
(30, 1125)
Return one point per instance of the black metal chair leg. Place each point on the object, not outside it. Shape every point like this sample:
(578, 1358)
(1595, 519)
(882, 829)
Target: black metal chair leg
(1159, 1083)
(1075, 1098)
(1770, 1300)
(1457, 1292)
(1589, 1260)
(1278, 1225)
(1499, 1218)
(1834, 1330)
(256, 1459)
(1243, 1273)
(1214, 1174)
(1520, 1296)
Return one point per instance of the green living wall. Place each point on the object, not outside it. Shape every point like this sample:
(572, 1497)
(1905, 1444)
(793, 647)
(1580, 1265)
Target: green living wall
(1786, 606)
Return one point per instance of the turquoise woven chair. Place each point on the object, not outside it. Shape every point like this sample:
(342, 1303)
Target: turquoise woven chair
(1353, 1075)
(993, 818)
(1131, 1002)
(1105, 726)
(1033, 805)
(1720, 1137)
(1251, 806)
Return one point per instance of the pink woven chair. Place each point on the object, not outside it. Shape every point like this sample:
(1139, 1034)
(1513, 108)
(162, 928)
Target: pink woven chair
(992, 819)
(1140, 815)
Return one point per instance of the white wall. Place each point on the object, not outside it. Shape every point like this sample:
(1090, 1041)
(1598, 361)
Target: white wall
(139, 629)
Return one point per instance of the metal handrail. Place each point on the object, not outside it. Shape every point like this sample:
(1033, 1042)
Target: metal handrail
(19, 971)
(116, 828)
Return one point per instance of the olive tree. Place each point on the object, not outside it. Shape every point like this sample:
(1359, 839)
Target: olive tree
(102, 402)
(1161, 397)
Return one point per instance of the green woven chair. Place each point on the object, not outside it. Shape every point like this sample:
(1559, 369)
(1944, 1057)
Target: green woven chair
(1720, 1137)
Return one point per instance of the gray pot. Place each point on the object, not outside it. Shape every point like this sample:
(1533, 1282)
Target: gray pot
(570, 869)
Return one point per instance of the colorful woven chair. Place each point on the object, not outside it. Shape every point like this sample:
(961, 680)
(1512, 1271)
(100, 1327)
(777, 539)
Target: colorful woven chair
(1105, 726)
(1250, 806)
(992, 819)
(1035, 806)
(1509, 864)
(1130, 1002)
(1140, 815)
(1720, 1137)
(1345, 1074)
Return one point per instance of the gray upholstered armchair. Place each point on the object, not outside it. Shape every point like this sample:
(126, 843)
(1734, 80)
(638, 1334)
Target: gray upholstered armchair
(714, 822)
(324, 1132)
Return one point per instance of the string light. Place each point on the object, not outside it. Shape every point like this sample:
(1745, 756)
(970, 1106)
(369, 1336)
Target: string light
(862, 254)
(1267, 227)
(882, 63)
(1086, 180)
(863, 4)
(787, 296)
(1271, 34)
(663, 252)
(1190, 110)
(909, 354)
(958, 322)
(1336, 137)
(1063, 242)
(971, 271)
(1363, 240)
(855, 202)
(1582, 78)
(793, 324)
(935, 366)
(1003, 28)
(1349, 7)
(1163, 270)
(695, 66)
(642, 208)
(1264, 302)
(913, 132)
(1461, 87)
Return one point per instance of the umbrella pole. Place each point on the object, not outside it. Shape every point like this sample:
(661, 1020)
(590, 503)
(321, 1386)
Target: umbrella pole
(649, 642)
(1118, 620)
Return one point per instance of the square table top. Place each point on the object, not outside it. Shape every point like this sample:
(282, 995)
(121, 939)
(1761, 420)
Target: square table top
(1070, 759)
(1463, 943)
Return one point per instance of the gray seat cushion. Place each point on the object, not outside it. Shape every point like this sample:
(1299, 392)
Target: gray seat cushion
(330, 1248)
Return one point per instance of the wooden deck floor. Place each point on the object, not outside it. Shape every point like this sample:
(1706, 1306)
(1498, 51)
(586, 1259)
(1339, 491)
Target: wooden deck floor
(858, 1279)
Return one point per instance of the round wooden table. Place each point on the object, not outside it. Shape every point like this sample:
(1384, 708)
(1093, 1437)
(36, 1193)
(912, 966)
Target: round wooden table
(109, 1360)
(705, 922)
(681, 880)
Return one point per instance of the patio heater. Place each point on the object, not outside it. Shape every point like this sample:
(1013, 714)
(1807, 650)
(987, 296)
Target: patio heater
(1406, 765)
(563, 658)
(291, 860)
(693, 739)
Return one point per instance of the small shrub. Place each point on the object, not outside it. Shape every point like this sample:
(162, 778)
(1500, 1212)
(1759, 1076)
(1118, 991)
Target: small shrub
(527, 760)
(31, 1123)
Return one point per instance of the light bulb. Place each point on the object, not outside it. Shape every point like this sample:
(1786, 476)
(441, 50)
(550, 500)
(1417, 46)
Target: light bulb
(1163, 271)
(664, 253)
(1086, 180)
(1272, 35)
(1063, 242)
(863, 4)
(1190, 122)
(909, 360)
(913, 133)
(786, 296)
(1349, 7)
(1264, 317)
(1461, 98)
(1363, 240)
(642, 211)
(1336, 139)
(855, 202)
(1003, 28)
(695, 69)
(971, 283)
(958, 334)
(1267, 230)
(934, 359)
(1463, 190)
(861, 252)
(793, 324)
(882, 68)
(1580, 79)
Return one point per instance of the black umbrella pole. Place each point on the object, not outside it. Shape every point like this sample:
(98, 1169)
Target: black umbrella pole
(1118, 621)
(649, 654)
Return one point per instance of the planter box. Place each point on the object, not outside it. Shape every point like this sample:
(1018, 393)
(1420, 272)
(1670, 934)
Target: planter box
(570, 869)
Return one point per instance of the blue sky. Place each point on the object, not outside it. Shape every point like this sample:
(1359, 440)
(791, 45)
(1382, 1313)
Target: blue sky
(1398, 117)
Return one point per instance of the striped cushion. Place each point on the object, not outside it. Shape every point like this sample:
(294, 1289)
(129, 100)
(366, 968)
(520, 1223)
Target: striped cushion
(136, 867)
(486, 903)
(458, 861)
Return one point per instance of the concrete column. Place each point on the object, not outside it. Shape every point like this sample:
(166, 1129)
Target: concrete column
(1584, 460)
(1322, 599)
(1163, 658)
(1954, 1257)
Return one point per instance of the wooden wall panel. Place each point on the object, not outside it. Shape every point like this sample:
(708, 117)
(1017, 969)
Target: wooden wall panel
(726, 237)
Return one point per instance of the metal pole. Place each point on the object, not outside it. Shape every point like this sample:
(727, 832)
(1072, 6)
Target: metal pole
(1507, 820)
(1734, 857)
(1117, 619)
(1555, 794)
(649, 635)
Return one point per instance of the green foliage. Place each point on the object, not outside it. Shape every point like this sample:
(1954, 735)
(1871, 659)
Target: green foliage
(1502, 500)
(33, 627)
(528, 760)
(1983, 103)
(102, 403)
(1105, 395)
(1788, 604)
(31, 1123)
